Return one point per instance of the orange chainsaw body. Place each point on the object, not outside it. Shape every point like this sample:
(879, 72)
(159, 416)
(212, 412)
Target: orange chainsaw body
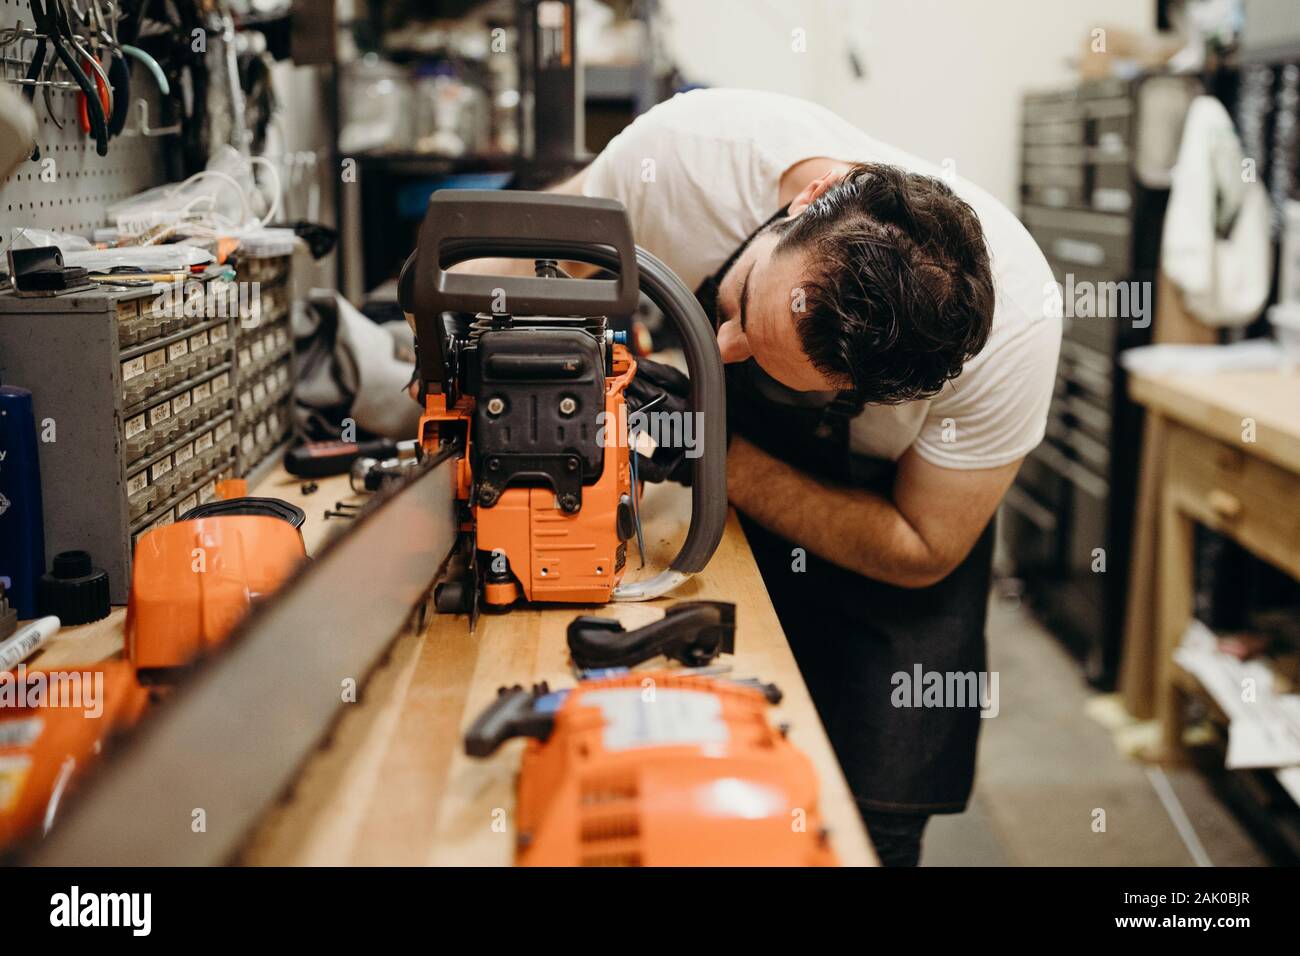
(44, 747)
(554, 556)
(193, 581)
(693, 775)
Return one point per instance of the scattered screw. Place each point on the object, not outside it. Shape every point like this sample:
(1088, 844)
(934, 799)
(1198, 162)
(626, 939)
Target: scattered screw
(309, 487)
(345, 505)
(338, 514)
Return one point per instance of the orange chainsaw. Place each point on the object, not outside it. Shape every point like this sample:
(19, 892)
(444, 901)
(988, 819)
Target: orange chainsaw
(656, 769)
(526, 379)
(53, 725)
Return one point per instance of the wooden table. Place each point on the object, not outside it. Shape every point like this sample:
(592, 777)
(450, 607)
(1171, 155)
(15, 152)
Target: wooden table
(393, 786)
(1232, 463)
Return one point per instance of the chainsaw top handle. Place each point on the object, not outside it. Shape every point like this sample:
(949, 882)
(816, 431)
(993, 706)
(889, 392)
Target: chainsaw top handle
(475, 224)
(479, 223)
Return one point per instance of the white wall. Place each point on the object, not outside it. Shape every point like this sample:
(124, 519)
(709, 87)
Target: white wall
(944, 77)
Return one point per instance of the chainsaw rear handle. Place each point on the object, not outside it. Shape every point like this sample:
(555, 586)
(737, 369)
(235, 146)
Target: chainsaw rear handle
(475, 224)
(512, 714)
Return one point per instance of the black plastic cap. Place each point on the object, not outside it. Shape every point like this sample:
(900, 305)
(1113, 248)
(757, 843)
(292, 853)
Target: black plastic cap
(75, 591)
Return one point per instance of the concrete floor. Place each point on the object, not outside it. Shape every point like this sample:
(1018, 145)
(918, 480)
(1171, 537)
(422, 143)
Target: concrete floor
(1046, 767)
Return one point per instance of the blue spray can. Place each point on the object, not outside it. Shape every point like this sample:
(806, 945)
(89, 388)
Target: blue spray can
(22, 517)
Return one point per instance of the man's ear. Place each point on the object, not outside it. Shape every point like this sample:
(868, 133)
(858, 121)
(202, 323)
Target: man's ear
(732, 342)
(810, 193)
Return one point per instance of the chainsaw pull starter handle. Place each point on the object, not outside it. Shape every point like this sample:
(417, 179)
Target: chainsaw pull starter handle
(692, 632)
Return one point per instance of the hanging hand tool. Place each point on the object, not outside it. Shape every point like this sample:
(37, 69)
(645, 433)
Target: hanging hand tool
(151, 65)
(56, 116)
(119, 75)
(55, 27)
(83, 113)
(99, 90)
(104, 30)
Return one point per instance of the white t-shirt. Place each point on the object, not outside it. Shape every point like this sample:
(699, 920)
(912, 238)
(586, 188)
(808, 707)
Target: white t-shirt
(699, 173)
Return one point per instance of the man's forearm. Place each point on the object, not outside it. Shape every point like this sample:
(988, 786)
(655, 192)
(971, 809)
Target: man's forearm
(851, 527)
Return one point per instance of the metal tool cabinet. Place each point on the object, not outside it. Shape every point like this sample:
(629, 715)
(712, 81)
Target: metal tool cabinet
(1095, 166)
(142, 411)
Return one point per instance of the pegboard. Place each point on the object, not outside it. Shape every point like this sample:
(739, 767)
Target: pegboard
(84, 183)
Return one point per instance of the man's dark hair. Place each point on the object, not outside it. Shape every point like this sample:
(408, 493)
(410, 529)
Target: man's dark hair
(900, 295)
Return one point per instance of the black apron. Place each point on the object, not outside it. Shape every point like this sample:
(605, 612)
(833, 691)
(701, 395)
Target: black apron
(851, 635)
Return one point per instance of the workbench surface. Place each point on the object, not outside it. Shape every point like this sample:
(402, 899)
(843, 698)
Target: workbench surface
(393, 786)
(1218, 404)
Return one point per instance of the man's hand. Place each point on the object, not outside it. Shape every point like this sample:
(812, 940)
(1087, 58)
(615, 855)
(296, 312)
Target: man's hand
(663, 390)
(914, 540)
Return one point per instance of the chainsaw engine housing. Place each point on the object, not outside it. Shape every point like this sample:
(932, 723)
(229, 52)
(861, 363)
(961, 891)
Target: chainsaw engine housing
(655, 768)
(525, 376)
(548, 487)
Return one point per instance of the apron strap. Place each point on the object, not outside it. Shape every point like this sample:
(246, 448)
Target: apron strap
(837, 414)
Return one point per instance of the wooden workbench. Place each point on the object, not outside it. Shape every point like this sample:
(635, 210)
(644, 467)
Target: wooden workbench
(1229, 458)
(393, 786)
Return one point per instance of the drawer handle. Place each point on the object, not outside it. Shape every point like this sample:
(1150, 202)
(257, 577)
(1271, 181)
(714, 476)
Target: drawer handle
(1079, 251)
(1229, 459)
(1223, 504)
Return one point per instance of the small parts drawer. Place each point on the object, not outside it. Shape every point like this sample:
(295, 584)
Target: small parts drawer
(162, 422)
(166, 363)
(1096, 241)
(1229, 489)
(179, 470)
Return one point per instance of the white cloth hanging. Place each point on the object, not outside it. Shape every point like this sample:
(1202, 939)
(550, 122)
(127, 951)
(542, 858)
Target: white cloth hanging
(1216, 245)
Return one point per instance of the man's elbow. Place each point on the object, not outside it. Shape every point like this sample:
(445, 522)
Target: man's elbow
(915, 580)
(925, 571)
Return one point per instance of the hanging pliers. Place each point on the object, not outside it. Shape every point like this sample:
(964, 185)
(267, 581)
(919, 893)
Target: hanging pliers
(103, 29)
(55, 27)
(105, 98)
